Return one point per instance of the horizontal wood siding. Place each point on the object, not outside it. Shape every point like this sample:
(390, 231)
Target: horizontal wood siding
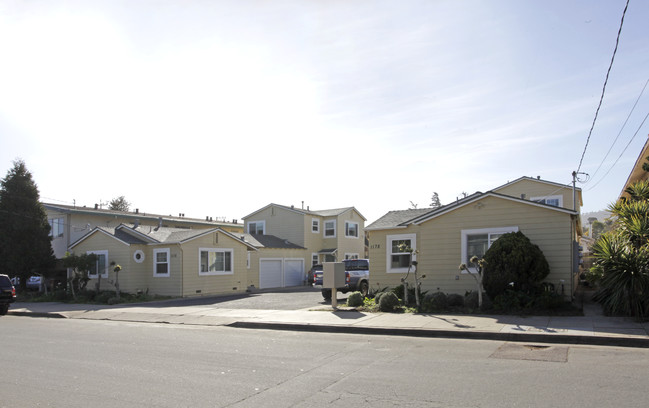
(282, 223)
(439, 243)
(194, 284)
(533, 188)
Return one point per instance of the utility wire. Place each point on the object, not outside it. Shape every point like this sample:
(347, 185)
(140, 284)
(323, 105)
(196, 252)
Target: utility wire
(601, 99)
(621, 129)
(620, 156)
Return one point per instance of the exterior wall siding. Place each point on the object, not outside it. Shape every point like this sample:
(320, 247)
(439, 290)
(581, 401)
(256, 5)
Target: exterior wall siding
(533, 188)
(439, 243)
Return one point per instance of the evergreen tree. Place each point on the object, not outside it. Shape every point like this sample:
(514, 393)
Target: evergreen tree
(119, 204)
(435, 203)
(25, 243)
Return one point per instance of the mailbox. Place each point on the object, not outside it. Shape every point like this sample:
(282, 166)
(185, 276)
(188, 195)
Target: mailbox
(333, 275)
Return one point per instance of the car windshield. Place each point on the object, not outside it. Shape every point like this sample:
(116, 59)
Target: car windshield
(4, 281)
(356, 264)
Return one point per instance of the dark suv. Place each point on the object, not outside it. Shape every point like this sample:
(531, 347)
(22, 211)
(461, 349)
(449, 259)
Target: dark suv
(357, 277)
(7, 294)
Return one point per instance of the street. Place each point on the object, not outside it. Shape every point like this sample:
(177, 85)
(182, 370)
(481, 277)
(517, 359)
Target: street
(81, 363)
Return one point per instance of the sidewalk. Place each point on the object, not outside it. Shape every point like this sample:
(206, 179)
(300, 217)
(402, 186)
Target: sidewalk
(593, 328)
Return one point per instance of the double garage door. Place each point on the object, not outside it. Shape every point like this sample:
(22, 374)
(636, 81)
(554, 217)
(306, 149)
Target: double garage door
(280, 272)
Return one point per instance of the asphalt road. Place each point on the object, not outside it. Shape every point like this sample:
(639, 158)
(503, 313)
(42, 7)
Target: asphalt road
(87, 363)
(301, 297)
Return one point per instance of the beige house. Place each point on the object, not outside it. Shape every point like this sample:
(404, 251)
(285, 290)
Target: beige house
(448, 236)
(637, 172)
(324, 236)
(168, 261)
(69, 223)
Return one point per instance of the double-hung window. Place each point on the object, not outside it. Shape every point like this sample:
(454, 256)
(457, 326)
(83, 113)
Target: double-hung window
(100, 266)
(330, 229)
(476, 242)
(315, 225)
(257, 227)
(161, 265)
(215, 261)
(398, 257)
(351, 229)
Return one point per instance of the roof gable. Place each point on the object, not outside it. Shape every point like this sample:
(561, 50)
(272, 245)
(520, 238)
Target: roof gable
(322, 213)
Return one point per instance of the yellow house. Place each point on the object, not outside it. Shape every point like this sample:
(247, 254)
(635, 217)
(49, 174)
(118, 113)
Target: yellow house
(637, 172)
(168, 261)
(324, 236)
(546, 212)
(69, 223)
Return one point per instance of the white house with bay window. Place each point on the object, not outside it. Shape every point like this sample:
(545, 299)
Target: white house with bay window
(450, 235)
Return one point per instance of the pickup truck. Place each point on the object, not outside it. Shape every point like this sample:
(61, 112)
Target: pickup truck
(7, 294)
(357, 277)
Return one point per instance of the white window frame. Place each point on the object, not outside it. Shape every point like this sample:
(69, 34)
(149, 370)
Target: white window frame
(389, 253)
(57, 227)
(351, 255)
(347, 224)
(155, 262)
(315, 223)
(480, 231)
(544, 199)
(324, 228)
(211, 273)
(105, 273)
(263, 227)
(315, 258)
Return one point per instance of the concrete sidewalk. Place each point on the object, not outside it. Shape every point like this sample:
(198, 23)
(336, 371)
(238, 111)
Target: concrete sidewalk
(592, 328)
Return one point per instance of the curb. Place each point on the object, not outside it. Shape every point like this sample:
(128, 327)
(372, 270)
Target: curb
(452, 334)
(37, 314)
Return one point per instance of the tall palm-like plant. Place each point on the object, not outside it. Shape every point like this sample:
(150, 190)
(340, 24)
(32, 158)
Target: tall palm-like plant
(622, 256)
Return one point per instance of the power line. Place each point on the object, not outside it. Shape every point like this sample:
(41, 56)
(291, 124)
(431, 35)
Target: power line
(620, 156)
(601, 99)
(621, 129)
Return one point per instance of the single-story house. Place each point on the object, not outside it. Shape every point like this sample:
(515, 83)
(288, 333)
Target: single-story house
(450, 235)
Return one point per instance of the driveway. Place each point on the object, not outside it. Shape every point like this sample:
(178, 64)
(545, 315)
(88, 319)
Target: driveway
(295, 298)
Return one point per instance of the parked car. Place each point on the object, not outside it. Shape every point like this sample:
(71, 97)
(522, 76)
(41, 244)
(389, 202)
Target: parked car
(7, 294)
(357, 277)
(34, 283)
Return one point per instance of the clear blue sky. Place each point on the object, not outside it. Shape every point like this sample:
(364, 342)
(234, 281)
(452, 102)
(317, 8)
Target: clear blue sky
(219, 108)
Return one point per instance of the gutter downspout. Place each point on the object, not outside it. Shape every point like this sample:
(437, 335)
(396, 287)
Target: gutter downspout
(182, 270)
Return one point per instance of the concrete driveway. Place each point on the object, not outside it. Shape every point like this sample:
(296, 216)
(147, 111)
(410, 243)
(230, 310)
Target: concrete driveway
(295, 298)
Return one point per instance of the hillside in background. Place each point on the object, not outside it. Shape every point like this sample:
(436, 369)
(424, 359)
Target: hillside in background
(600, 215)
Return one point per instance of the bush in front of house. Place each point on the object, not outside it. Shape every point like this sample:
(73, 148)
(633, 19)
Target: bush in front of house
(436, 301)
(514, 262)
(388, 301)
(455, 300)
(355, 299)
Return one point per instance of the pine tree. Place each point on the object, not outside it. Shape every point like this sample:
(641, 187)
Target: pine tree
(25, 243)
(435, 203)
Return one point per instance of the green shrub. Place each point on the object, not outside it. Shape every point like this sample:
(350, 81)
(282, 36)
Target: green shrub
(455, 300)
(377, 297)
(436, 301)
(103, 297)
(355, 299)
(388, 302)
(514, 259)
(113, 300)
(399, 291)
(471, 301)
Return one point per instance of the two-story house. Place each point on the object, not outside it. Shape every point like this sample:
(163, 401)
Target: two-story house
(326, 235)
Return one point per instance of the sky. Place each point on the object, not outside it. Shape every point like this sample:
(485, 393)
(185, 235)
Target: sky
(219, 108)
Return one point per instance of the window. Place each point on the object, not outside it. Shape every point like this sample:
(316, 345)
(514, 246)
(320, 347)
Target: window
(215, 261)
(315, 225)
(101, 266)
(161, 265)
(476, 242)
(351, 229)
(330, 228)
(314, 259)
(351, 256)
(257, 227)
(556, 200)
(398, 260)
(56, 227)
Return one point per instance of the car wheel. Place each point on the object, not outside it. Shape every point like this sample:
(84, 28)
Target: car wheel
(4, 309)
(326, 294)
(363, 288)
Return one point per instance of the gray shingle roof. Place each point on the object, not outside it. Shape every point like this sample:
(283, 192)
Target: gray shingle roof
(398, 217)
(269, 241)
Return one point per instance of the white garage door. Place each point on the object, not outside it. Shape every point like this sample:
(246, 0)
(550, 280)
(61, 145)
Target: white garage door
(293, 272)
(270, 273)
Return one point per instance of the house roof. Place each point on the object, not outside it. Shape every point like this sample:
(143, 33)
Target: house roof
(539, 180)
(148, 235)
(69, 209)
(637, 173)
(322, 213)
(269, 241)
(401, 219)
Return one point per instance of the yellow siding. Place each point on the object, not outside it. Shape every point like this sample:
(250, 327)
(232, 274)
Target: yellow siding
(194, 284)
(439, 243)
(282, 223)
(535, 188)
